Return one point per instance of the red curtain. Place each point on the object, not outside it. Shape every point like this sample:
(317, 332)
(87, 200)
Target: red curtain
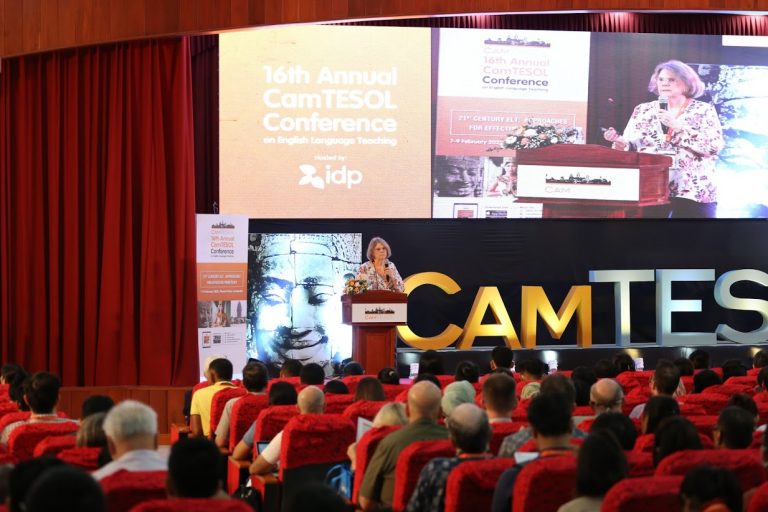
(97, 226)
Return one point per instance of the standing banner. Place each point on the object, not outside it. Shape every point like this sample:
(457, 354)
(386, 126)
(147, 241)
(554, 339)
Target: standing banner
(222, 280)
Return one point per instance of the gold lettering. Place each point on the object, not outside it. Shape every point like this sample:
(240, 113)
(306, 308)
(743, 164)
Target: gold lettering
(488, 297)
(535, 302)
(451, 333)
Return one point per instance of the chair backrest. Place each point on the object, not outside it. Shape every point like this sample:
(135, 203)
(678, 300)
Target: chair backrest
(244, 413)
(691, 409)
(644, 443)
(219, 400)
(126, 489)
(445, 380)
(4, 392)
(759, 501)
(640, 463)
(745, 464)
(711, 402)
(393, 391)
(470, 485)
(704, 424)
(747, 380)
(365, 408)
(585, 425)
(353, 380)
(583, 410)
(192, 505)
(364, 451)
(24, 438)
(200, 385)
(730, 389)
(52, 445)
(272, 420)
(501, 430)
(293, 381)
(643, 494)
(84, 457)
(337, 404)
(13, 417)
(687, 381)
(409, 465)
(8, 407)
(545, 484)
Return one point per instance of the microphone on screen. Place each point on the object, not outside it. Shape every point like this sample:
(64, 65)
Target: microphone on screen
(663, 107)
(386, 266)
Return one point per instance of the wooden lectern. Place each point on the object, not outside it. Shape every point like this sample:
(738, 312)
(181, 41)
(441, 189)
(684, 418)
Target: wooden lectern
(653, 179)
(373, 316)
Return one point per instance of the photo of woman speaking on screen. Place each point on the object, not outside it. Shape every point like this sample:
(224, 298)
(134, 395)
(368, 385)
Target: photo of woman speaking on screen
(380, 273)
(679, 126)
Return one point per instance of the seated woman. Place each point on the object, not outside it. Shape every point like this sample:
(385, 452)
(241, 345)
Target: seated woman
(710, 489)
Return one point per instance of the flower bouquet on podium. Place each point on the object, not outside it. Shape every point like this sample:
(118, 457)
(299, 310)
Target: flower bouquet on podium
(355, 286)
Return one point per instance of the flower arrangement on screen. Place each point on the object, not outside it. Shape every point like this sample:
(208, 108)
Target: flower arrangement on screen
(539, 136)
(355, 286)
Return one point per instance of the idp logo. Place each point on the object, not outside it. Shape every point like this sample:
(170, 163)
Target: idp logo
(342, 176)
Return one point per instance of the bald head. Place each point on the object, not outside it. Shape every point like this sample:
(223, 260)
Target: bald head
(311, 400)
(606, 395)
(469, 429)
(423, 401)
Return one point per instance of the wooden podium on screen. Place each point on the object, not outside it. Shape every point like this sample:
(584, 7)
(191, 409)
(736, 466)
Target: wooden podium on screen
(608, 184)
(373, 316)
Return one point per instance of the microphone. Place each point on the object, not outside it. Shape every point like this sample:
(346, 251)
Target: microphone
(663, 107)
(386, 266)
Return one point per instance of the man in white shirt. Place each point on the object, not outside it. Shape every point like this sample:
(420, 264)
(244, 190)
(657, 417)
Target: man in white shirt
(131, 429)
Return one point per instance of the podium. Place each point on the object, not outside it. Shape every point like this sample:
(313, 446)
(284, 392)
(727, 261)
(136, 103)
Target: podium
(592, 181)
(373, 316)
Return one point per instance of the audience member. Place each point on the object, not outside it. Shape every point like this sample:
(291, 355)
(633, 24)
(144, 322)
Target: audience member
(760, 359)
(335, 387)
(290, 368)
(605, 369)
(369, 388)
(502, 357)
(423, 410)
(700, 359)
(352, 368)
(431, 362)
(194, 466)
(673, 435)
(733, 368)
(762, 380)
(468, 371)
(23, 476)
(389, 376)
(734, 428)
(747, 403)
(12, 372)
(710, 489)
(390, 415)
(606, 395)
(311, 400)
(65, 488)
(601, 464)
(219, 376)
(470, 433)
(664, 382)
(317, 497)
(583, 378)
(255, 379)
(704, 379)
(428, 377)
(280, 393)
(41, 394)
(499, 397)
(623, 362)
(312, 374)
(657, 409)
(684, 365)
(553, 384)
(622, 428)
(131, 429)
(456, 393)
(95, 404)
(530, 370)
(549, 415)
(91, 432)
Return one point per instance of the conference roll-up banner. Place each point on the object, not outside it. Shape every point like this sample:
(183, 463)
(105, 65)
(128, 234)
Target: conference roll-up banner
(222, 279)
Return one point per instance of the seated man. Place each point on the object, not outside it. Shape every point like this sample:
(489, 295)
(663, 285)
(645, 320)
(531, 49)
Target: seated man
(502, 357)
(499, 397)
(606, 395)
(423, 409)
(664, 382)
(41, 394)
(734, 428)
(131, 429)
(280, 393)
(193, 470)
(470, 433)
(550, 417)
(255, 379)
(219, 375)
(311, 401)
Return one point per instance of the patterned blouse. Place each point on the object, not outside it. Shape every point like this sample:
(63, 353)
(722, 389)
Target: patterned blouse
(376, 282)
(694, 147)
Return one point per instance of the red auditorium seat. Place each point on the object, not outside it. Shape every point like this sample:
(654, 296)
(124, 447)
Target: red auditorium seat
(393, 391)
(353, 380)
(640, 463)
(363, 453)
(691, 409)
(365, 408)
(586, 425)
(200, 385)
(644, 443)
(470, 485)
(658, 493)
(746, 464)
(86, 457)
(545, 484)
(8, 407)
(501, 430)
(272, 420)
(13, 417)
(192, 505)
(583, 410)
(409, 465)
(757, 439)
(759, 501)
(4, 388)
(293, 381)
(53, 445)
(711, 402)
(530, 445)
(126, 489)
(730, 389)
(704, 424)
(688, 383)
(219, 400)
(24, 438)
(337, 404)
(749, 380)
(445, 380)
(244, 413)
(628, 381)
